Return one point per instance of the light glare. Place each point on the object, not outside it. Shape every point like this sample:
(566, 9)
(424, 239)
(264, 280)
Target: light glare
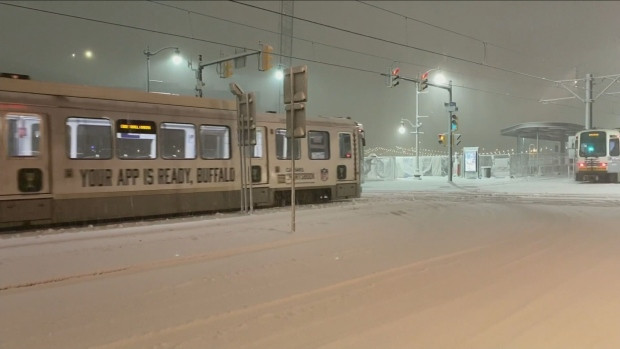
(279, 74)
(440, 79)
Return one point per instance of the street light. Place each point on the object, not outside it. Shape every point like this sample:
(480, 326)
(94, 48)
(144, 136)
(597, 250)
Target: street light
(440, 79)
(280, 73)
(176, 60)
(402, 128)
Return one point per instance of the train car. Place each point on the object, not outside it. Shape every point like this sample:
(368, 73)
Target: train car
(72, 153)
(597, 155)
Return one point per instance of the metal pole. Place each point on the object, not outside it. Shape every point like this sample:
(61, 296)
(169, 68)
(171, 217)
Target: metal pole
(250, 152)
(538, 153)
(148, 69)
(242, 155)
(589, 102)
(417, 129)
(450, 133)
(292, 150)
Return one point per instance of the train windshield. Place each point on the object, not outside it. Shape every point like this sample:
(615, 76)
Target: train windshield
(593, 144)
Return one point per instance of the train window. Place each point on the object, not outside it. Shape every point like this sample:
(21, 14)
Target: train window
(136, 139)
(318, 145)
(344, 142)
(259, 148)
(214, 142)
(23, 134)
(89, 138)
(614, 149)
(283, 146)
(177, 141)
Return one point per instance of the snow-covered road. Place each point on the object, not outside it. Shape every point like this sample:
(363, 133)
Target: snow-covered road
(415, 264)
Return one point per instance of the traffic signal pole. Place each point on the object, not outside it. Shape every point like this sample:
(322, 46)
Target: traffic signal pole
(451, 108)
(421, 84)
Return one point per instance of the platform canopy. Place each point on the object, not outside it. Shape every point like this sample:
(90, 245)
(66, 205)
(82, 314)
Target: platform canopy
(550, 131)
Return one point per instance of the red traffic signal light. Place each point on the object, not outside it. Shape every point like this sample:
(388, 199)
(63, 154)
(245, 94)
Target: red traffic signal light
(394, 77)
(423, 84)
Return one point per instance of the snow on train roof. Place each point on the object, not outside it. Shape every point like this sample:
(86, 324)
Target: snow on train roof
(108, 93)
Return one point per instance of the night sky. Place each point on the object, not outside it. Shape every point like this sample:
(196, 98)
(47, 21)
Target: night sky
(503, 58)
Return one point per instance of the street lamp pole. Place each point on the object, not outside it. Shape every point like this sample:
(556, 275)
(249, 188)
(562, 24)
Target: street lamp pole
(417, 125)
(450, 105)
(450, 130)
(417, 173)
(148, 55)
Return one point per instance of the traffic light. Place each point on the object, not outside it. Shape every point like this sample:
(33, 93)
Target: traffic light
(394, 77)
(226, 69)
(423, 84)
(265, 57)
(441, 138)
(454, 122)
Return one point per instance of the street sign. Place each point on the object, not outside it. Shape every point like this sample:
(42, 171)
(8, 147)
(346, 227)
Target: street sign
(300, 84)
(296, 120)
(451, 107)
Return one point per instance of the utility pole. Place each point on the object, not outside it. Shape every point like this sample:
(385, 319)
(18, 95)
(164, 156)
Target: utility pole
(588, 100)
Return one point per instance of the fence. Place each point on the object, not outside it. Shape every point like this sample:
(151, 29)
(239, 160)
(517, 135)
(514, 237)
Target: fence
(499, 166)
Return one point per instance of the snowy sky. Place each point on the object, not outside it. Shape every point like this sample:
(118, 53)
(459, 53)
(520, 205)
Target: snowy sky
(503, 57)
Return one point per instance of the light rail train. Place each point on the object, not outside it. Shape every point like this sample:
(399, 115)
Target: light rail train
(597, 155)
(71, 153)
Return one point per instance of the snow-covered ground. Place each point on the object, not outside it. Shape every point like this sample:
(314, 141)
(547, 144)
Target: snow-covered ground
(523, 185)
(477, 263)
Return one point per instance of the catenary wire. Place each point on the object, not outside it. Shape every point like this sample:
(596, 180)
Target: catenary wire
(234, 46)
(397, 43)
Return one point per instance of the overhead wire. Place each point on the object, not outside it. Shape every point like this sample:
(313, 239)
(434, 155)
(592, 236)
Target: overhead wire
(133, 27)
(485, 43)
(278, 33)
(396, 43)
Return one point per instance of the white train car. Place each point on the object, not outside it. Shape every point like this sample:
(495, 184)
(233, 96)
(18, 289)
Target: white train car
(72, 153)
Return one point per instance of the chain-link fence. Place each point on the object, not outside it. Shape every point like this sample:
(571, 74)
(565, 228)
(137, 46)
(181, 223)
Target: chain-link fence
(498, 166)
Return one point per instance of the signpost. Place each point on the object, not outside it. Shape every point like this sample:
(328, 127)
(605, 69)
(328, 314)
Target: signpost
(246, 115)
(295, 98)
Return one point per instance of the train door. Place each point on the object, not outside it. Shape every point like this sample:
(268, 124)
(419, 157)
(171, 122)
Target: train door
(259, 173)
(348, 169)
(24, 172)
(359, 142)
